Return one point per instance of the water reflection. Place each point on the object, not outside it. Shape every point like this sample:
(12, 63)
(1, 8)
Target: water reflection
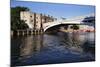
(53, 48)
(31, 45)
(74, 41)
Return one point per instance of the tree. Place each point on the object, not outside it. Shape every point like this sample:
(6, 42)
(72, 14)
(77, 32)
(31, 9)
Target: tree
(89, 20)
(75, 27)
(16, 23)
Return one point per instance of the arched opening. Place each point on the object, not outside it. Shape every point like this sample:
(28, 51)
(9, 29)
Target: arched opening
(56, 28)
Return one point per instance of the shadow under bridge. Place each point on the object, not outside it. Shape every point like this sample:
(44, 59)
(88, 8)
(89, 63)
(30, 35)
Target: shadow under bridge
(56, 26)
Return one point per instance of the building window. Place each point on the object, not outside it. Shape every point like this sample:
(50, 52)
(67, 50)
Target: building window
(31, 16)
(36, 25)
(36, 17)
(31, 20)
(36, 21)
(25, 20)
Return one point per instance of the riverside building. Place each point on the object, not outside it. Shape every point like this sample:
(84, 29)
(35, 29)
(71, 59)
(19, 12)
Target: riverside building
(34, 20)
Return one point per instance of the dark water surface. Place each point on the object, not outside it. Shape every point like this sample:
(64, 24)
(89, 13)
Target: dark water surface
(52, 48)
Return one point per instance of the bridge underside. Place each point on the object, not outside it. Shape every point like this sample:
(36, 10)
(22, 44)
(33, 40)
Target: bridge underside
(58, 27)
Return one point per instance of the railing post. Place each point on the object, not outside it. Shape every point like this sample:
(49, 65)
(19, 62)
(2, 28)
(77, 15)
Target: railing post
(34, 31)
(27, 32)
(38, 32)
(42, 31)
(12, 33)
(18, 32)
(31, 32)
(23, 32)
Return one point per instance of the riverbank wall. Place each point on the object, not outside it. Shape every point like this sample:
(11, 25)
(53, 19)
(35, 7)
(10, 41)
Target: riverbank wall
(26, 32)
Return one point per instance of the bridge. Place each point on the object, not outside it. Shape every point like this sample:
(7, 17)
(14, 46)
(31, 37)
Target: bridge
(76, 20)
(41, 23)
(51, 24)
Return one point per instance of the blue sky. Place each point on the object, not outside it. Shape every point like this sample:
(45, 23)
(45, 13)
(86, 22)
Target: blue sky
(56, 10)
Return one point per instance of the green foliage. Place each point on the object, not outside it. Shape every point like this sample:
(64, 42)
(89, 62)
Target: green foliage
(75, 27)
(16, 23)
(89, 21)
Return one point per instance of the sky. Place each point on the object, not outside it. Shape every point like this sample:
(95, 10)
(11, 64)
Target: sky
(56, 10)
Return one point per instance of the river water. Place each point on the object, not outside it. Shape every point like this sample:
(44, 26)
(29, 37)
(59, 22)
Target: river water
(52, 48)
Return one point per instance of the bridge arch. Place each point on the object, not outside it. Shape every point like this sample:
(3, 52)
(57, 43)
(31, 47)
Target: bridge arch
(52, 24)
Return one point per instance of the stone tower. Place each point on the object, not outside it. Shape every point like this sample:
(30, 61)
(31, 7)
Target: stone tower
(35, 21)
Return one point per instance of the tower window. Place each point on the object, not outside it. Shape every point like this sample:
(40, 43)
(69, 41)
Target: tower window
(25, 20)
(31, 16)
(31, 20)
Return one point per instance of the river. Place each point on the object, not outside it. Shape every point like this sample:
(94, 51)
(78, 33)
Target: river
(52, 48)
